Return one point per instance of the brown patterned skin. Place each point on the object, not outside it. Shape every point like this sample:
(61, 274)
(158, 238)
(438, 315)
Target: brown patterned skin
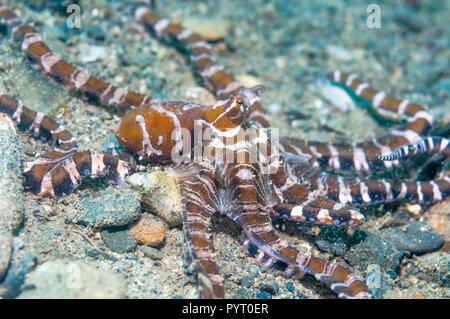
(297, 190)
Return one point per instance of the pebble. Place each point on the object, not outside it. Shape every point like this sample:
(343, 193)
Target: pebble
(339, 53)
(378, 282)
(371, 248)
(337, 96)
(212, 29)
(118, 240)
(113, 206)
(333, 240)
(91, 53)
(416, 238)
(152, 253)
(66, 279)
(248, 80)
(161, 194)
(148, 231)
(274, 108)
(200, 95)
(268, 288)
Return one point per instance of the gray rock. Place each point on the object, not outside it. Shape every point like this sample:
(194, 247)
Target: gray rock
(161, 194)
(70, 279)
(15, 277)
(333, 240)
(118, 240)
(416, 238)
(152, 253)
(377, 281)
(371, 248)
(113, 206)
(6, 240)
(11, 196)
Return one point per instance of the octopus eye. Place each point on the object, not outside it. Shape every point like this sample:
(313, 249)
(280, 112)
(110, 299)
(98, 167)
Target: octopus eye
(239, 101)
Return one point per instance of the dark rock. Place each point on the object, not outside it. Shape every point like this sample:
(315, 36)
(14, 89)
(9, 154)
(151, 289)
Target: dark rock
(371, 248)
(333, 240)
(268, 288)
(416, 238)
(118, 240)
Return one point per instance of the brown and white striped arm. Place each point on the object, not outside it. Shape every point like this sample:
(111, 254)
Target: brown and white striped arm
(296, 183)
(197, 187)
(280, 255)
(321, 211)
(307, 203)
(428, 145)
(92, 87)
(215, 78)
(367, 192)
(338, 278)
(57, 173)
(366, 156)
(38, 124)
(258, 232)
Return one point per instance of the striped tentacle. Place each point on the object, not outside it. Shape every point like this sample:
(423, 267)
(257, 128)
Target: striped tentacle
(34, 48)
(321, 211)
(258, 232)
(308, 203)
(338, 278)
(428, 145)
(296, 181)
(215, 78)
(365, 157)
(57, 173)
(419, 120)
(365, 192)
(40, 125)
(197, 188)
(296, 264)
(341, 157)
